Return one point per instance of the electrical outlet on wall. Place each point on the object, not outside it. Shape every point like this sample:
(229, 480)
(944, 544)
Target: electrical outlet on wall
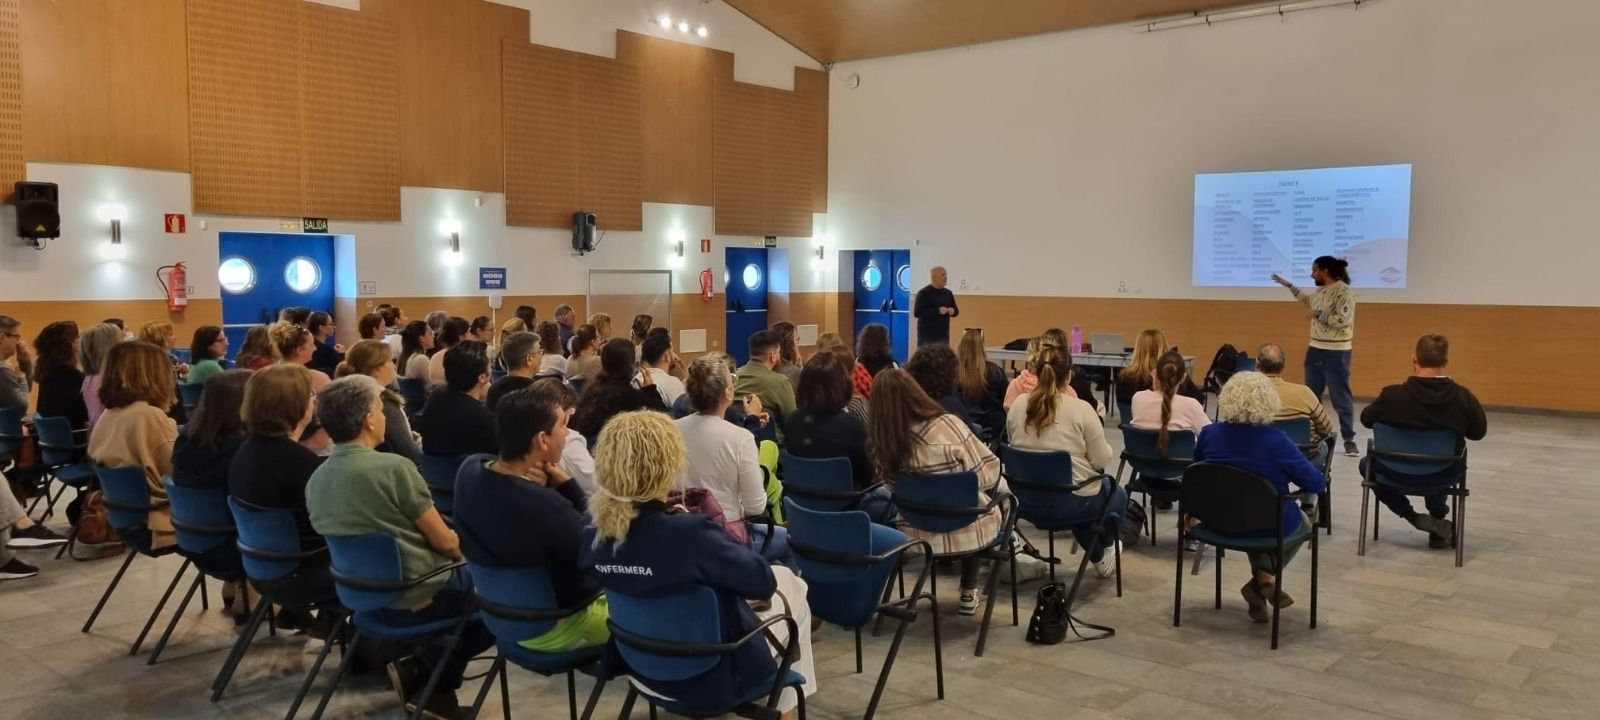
(1122, 287)
(963, 283)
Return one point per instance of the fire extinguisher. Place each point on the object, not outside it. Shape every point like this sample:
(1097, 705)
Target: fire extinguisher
(705, 285)
(174, 280)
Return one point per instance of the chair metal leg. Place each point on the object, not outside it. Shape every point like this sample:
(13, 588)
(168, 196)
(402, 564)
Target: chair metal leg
(159, 606)
(344, 666)
(199, 582)
(1177, 591)
(988, 606)
(1361, 534)
(225, 674)
(335, 636)
(1461, 528)
(858, 650)
(1377, 516)
(652, 711)
(588, 710)
(449, 646)
(1277, 594)
(115, 580)
(627, 703)
(505, 696)
(572, 693)
(205, 596)
(1052, 543)
(1199, 555)
(1313, 578)
(72, 539)
(888, 666)
(1014, 614)
(495, 671)
(1220, 552)
(1116, 547)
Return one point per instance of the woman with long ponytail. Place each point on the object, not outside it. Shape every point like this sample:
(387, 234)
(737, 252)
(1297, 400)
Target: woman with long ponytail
(1161, 408)
(1052, 419)
(638, 545)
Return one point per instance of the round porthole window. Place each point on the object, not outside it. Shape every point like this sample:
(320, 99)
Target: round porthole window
(902, 278)
(302, 275)
(236, 275)
(751, 277)
(871, 278)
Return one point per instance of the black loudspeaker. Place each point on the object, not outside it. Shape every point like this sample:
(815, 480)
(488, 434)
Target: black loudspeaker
(583, 223)
(38, 215)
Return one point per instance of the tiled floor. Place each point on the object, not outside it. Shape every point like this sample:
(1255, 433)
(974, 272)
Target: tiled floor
(1402, 632)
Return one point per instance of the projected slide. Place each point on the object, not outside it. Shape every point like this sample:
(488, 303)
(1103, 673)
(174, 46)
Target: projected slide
(1250, 225)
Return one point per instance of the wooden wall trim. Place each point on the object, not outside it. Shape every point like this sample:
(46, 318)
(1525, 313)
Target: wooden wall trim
(12, 166)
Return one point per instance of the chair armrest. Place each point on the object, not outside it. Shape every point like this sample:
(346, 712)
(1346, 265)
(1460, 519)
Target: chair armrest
(297, 556)
(1102, 477)
(393, 586)
(689, 650)
(515, 613)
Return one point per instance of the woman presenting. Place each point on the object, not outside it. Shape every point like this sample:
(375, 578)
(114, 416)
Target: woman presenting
(1332, 312)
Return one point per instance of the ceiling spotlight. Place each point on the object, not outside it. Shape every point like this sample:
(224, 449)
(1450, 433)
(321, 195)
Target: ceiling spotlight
(664, 21)
(702, 31)
(683, 26)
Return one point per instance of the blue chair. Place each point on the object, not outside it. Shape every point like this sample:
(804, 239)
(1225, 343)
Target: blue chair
(11, 435)
(181, 354)
(823, 484)
(679, 637)
(1415, 462)
(496, 374)
(847, 561)
(415, 393)
(1155, 475)
(368, 576)
(517, 604)
(269, 546)
(190, 392)
(1234, 507)
(128, 506)
(945, 503)
(1124, 413)
(1049, 500)
(439, 471)
(1299, 431)
(63, 458)
(578, 385)
(206, 536)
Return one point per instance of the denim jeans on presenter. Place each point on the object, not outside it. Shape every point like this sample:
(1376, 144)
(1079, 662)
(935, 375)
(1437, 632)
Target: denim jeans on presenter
(1330, 369)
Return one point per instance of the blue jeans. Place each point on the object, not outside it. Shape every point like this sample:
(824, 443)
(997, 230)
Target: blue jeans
(451, 602)
(774, 550)
(1331, 369)
(1094, 541)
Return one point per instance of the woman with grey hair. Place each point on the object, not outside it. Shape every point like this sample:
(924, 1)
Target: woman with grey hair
(1245, 438)
(93, 347)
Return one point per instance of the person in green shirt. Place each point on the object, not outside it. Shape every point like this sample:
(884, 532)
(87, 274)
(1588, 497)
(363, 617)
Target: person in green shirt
(206, 352)
(359, 491)
(760, 377)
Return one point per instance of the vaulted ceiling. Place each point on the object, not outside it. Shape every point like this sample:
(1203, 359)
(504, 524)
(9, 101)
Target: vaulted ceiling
(837, 30)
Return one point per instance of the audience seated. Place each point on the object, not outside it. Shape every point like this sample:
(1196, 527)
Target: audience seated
(203, 458)
(553, 360)
(1428, 400)
(934, 367)
(676, 367)
(1161, 408)
(20, 532)
(759, 378)
(529, 315)
(416, 340)
(847, 357)
(435, 321)
(723, 457)
(295, 316)
(874, 354)
(455, 422)
(93, 347)
(912, 434)
(981, 384)
(454, 333)
(295, 346)
(1050, 418)
(135, 430)
(162, 334)
(371, 327)
(394, 321)
(821, 428)
(374, 359)
(612, 392)
(258, 350)
(575, 458)
(270, 469)
(507, 329)
(1024, 382)
(1244, 438)
(15, 383)
(209, 347)
(566, 322)
(788, 352)
(1296, 400)
(583, 361)
(520, 357)
(1136, 376)
(325, 353)
(656, 357)
(602, 328)
(522, 510)
(639, 331)
(358, 491)
(637, 545)
(56, 372)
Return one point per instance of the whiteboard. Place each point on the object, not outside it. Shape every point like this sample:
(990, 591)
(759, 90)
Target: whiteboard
(622, 294)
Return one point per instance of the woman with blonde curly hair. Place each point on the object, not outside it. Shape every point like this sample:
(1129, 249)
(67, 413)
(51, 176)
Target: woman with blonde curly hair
(1245, 438)
(638, 545)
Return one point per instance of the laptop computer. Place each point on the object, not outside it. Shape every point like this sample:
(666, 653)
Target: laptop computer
(1106, 343)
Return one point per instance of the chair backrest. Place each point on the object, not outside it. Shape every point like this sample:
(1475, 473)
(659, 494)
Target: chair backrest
(1124, 413)
(517, 588)
(126, 494)
(200, 516)
(692, 617)
(269, 540)
(835, 553)
(1441, 448)
(1042, 482)
(362, 566)
(1229, 500)
(415, 393)
(10, 431)
(1297, 428)
(495, 374)
(1245, 363)
(182, 354)
(940, 503)
(577, 385)
(56, 445)
(190, 393)
(1143, 452)
(439, 471)
(819, 483)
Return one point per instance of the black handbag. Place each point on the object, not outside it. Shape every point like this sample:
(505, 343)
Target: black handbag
(1048, 626)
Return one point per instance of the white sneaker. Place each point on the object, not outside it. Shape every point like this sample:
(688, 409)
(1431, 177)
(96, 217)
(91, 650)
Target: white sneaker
(1106, 567)
(1030, 568)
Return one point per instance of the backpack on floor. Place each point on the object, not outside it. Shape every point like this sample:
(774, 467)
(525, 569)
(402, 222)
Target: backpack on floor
(1133, 523)
(1223, 366)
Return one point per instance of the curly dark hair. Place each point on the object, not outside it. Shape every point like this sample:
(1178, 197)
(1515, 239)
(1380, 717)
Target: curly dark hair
(935, 368)
(872, 347)
(54, 346)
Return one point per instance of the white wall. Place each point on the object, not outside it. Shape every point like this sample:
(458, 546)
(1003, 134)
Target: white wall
(1080, 148)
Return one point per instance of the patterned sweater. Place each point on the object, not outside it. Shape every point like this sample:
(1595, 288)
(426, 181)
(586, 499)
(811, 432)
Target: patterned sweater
(1335, 324)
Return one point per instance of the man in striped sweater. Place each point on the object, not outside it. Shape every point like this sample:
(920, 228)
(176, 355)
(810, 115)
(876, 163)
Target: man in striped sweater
(1331, 308)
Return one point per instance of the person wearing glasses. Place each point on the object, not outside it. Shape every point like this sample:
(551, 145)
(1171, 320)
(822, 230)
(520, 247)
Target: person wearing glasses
(14, 384)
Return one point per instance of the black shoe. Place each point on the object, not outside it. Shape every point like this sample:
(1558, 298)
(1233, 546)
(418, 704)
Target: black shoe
(36, 536)
(1162, 505)
(1444, 534)
(1350, 449)
(294, 619)
(405, 676)
(1424, 523)
(17, 570)
(442, 706)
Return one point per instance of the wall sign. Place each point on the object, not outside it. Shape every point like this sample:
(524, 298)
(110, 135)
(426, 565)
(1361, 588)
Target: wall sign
(491, 278)
(770, 241)
(705, 245)
(314, 225)
(176, 224)
(367, 287)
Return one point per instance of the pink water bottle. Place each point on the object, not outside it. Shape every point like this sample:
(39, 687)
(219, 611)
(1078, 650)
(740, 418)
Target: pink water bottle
(1077, 339)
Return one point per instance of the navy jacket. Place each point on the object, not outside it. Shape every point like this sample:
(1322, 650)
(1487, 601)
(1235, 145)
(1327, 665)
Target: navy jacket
(507, 521)
(667, 553)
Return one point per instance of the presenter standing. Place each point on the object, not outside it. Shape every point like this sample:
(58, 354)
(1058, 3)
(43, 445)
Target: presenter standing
(1332, 312)
(934, 307)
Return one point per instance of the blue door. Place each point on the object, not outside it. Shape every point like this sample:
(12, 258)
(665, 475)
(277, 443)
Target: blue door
(874, 296)
(900, 306)
(746, 281)
(262, 273)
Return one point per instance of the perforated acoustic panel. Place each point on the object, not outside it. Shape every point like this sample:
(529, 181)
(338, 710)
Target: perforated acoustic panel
(790, 159)
(766, 155)
(244, 102)
(677, 88)
(572, 138)
(12, 167)
(350, 114)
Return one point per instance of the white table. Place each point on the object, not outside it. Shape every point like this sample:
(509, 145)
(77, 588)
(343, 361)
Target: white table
(1113, 361)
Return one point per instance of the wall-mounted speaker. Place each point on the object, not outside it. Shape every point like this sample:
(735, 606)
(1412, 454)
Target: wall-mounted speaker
(583, 226)
(38, 210)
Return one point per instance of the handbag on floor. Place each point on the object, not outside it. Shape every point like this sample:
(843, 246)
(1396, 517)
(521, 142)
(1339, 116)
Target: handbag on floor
(1133, 523)
(1048, 626)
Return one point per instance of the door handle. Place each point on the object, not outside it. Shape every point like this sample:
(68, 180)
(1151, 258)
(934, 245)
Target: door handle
(888, 306)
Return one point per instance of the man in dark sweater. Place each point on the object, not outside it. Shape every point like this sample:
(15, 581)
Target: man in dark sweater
(934, 307)
(1428, 400)
(522, 356)
(454, 421)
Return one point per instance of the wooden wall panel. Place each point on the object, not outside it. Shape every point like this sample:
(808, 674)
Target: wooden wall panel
(812, 85)
(106, 83)
(350, 114)
(572, 138)
(450, 111)
(677, 91)
(12, 165)
(740, 159)
(790, 160)
(244, 84)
